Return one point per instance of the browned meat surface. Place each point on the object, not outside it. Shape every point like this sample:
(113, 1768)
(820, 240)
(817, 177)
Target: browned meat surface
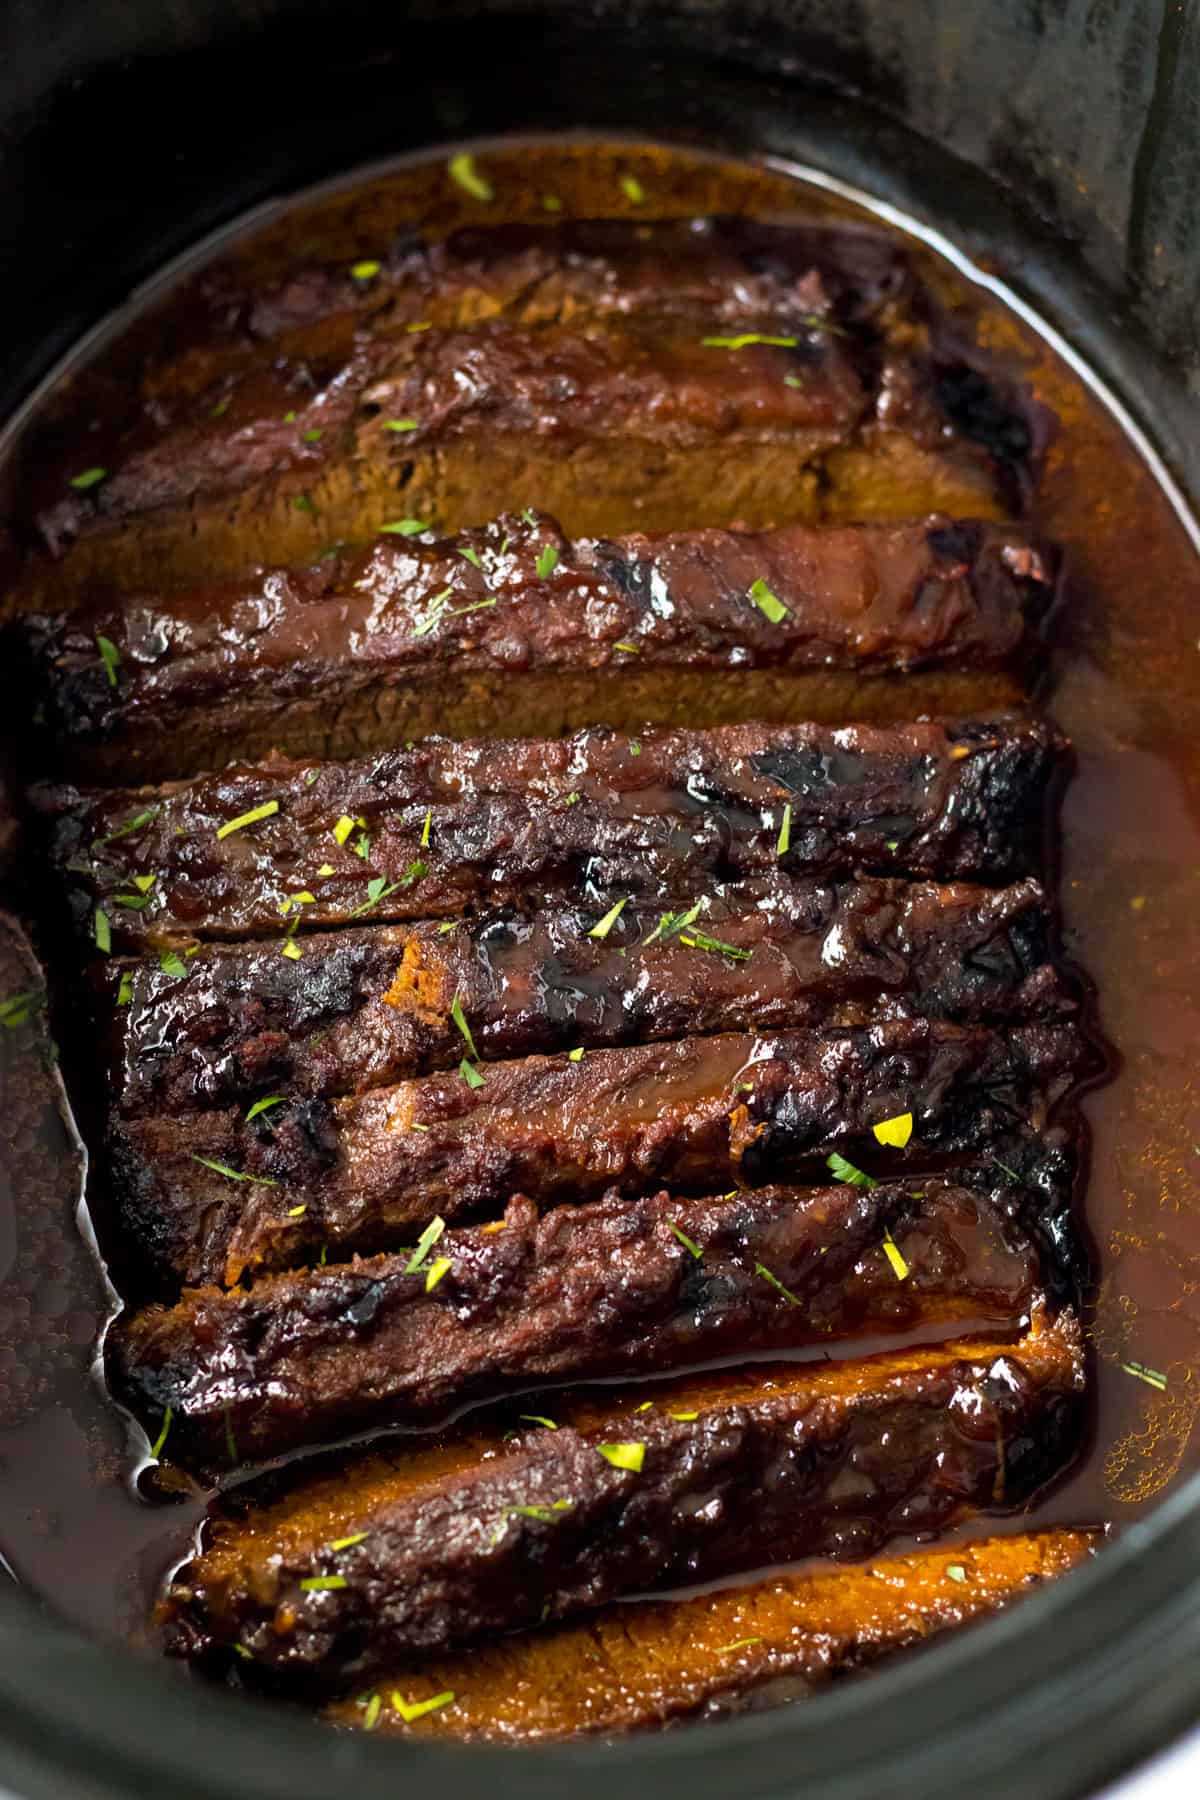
(366, 1007)
(432, 830)
(634, 1668)
(617, 1288)
(581, 383)
(208, 1196)
(474, 635)
(422, 1552)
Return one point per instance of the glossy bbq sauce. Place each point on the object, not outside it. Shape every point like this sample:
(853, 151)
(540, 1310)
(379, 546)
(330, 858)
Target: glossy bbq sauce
(1121, 679)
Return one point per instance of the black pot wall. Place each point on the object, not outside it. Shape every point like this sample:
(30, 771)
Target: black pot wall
(1059, 140)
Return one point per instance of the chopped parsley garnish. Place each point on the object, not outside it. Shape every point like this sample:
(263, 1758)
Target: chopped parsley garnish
(363, 846)
(366, 270)
(132, 902)
(298, 1212)
(460, 1020)
(416, 871)
(310, 436)
(133, 824)
(88, 479)
(102, 931)
(220, 1168)
(768, 603)
(792, 381)
(378, 889)
(635, 748)
(632, 189)
(551, 203)
(439, 1267)
(622, 644)
(956, 1571)
(170, 964)
(417, 1709)
(347, 1543)
(321, 1584)
(221, 407)
(624, 1456)
(687, 1242)
(470, 555)
(160, 1440)
(672, 923)
(473, 1077)
(293, 902)
(420, 325)
(425, 829)
(326, 869)
(124, 991)
(289, 418)
(547, 561)
(738, 1644)
(143, 883)
(264, 1105)
(543, 1514)
(761, 1269)
(610, 918)
(266, 811)
(1152, 1377)
(747, 337)
(304, 503)
(18, 1007)
(539, 1419)
(428, 1238)
(846, 1171)
(405, 527)
(891, 1250)
(343, 828)
(402, 424)
(685, 1417)
(110, 656)
(700, 940)
(371, 1716)
(784, 842)
(291, 949)
(895, 1131)
(463, 171)
(575, 1055)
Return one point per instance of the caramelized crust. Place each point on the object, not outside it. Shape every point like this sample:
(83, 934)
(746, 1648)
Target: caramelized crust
(430, 831)
(487, 1534)
(366, 1007)
(620, 1287)
(209, 1196)
(473, 636)
(636, 1668)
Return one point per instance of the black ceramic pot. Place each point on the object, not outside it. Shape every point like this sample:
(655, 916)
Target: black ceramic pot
(1060, 141)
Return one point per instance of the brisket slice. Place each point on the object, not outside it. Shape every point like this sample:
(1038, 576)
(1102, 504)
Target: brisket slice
(371, 1171)
(204, 471)
(637, 1668)
(474, 635)
(430, 831)
(368, 1006)
(617, 1288)
(439, 1547)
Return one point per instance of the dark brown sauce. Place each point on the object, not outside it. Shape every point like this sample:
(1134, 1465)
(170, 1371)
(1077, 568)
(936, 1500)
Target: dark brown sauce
(1122, 680)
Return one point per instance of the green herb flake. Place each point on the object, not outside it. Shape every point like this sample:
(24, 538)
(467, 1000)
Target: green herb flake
(88, 479)
(635, 748)
(671, 924)
(171, 964)
(687, 1242)
(221, 407)
(289, 418)
(402, 424)
(343, 828)
(470, 555)
(473, 1077)
(348, 1543)
(405, 527)
(608, 921)
(124, 991)
(1152, 1377)
(685, 1418)
(623, 644)
(132, 902)
(700, 940)
(572, 800)
(426, 828)
(143, 883)
(956, 1572)
(365, 271)
(266, 811)
(575, 1055)
(463, 171)
(747, 337)
(551, 203)
(792, 381)
(762, 1269)
(264, 1105)
(304, 503)
(110, 656)
(644, 1407)
(891, 1250)
(439, 1267)
(363, 846)
(378, 889)
(894, 1132)
(428, 1238)
(769, 604)
(416, 871)
(547, 562)
(371, 1716)
(624, 1456)
(538, 1419)
(102, 931)
(417, 1709)
(291, 949)
(322, 1584)
(133, 824)
(738, 1644)
(17, 1008)
(326, 869)
(460, 1019)
(220, 1168)
(160, 1440)
(447, 925)
(310, 436)
(784, 841)
(893, 843)
(298, 1212)
(847, 1172)
(632, 189)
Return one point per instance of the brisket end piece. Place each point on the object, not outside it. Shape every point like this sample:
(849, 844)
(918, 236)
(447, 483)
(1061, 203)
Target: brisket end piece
(394, 1556)
(639, 1668)
(209, 1196)
(613, 1289)
(366, 1007)
(431, 831)
(475, 636)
